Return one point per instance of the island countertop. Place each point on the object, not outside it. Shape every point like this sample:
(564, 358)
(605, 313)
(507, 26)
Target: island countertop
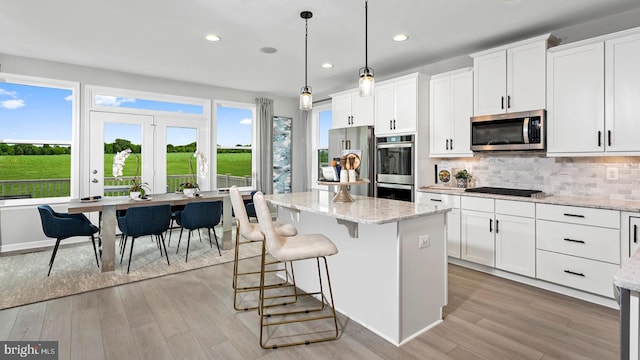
(364, 210)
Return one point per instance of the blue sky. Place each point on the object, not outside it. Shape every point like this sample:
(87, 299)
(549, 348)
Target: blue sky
(33, 112)
(41, 113)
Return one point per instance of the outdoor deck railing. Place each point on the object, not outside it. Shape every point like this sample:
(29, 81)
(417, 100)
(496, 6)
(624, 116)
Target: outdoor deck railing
(16, 189)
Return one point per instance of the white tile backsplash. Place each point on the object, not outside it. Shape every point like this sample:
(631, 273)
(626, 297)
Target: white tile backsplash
(585, 177)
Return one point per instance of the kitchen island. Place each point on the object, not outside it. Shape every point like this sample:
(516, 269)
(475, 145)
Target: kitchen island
(390, 273)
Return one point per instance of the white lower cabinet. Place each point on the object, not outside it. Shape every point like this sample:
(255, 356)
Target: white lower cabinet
(578, 247)
(516, 244)
(477, 230)
(576, 272)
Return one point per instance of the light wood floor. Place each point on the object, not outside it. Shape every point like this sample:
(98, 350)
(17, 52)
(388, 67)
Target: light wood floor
(190, 316)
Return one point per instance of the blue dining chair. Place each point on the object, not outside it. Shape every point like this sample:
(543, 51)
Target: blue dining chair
(62, 226)
(199, 215)
(142, 221)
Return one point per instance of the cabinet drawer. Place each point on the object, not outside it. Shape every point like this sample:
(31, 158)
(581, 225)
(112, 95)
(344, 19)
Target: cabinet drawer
(582, 274)
(579, 215)
(477, 204)
(516, 208)
(591, 242)
(445, 199)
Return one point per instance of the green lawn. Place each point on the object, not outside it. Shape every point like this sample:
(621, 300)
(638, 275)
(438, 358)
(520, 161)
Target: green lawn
(26, 167)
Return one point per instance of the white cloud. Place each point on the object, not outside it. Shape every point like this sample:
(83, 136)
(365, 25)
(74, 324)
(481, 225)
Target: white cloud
(12, 104)
(112, 100)
(68, 98)
(8, 93)
(245, 121)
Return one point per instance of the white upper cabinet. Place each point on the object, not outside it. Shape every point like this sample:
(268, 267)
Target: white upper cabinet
(511, 78)
(396, 105)
(350, 109)
(450, 109)
(575, 106)
(622, 94)
(593, 91)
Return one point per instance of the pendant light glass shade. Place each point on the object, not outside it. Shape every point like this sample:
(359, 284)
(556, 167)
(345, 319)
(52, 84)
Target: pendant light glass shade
(306, 100)
(366, 83)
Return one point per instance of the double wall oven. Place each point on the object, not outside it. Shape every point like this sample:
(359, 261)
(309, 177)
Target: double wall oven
(394, 167)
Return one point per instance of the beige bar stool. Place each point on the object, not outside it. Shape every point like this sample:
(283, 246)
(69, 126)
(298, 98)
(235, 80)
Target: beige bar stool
(290, 249)
(251, 233)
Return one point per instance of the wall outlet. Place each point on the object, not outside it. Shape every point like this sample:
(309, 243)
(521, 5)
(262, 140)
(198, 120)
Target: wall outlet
(612, 173)
(424, 241)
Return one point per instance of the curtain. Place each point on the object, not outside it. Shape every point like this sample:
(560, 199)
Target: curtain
(303, 148)
(264, 145)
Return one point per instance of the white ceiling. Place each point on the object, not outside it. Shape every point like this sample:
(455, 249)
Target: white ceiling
(165, 38)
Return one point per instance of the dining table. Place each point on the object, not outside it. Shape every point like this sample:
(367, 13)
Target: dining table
(108, 206)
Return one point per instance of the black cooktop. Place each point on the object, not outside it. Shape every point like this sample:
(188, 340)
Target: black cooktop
(504, 191)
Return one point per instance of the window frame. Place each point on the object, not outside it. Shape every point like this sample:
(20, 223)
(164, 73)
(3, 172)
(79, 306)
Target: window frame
(214, 140)
(315, 142)
(74, 175)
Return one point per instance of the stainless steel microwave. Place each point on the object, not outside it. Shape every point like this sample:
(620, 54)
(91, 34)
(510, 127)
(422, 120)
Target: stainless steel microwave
(514, 131)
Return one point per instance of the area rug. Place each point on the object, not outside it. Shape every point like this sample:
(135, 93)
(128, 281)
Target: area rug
(23, 278)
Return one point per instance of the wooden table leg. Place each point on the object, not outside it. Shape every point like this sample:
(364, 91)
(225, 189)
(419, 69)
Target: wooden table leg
(108, 238)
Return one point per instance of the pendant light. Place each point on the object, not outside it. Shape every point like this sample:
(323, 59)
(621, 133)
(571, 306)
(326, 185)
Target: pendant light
(306, 100)
(366, 82)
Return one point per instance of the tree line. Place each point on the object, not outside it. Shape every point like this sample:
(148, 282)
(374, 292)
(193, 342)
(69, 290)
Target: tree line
(109, 148)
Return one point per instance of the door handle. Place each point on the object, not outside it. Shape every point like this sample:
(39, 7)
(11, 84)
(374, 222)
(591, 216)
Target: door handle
(608, 137)
(447, 144)
(574, 215)
(394, 124)
(497, 222)
(502, 102)
(390, 124)
(438, 200)
(599, 138)
(635, 233)
(490, 225)
(508, 101)
(95, 181)
(451, 144)
(575, 241)
(94, 171)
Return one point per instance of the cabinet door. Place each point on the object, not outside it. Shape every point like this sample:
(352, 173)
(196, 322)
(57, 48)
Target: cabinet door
(526, 73)
(461, 112)
(361, 109)
(516, 244)
(453, 233)
(634, 235)
(440, 115)
(575, 100)
(477, 237)
(341, 111)
(406, 105)
(622, 80)
(490, 83)
(385, 107)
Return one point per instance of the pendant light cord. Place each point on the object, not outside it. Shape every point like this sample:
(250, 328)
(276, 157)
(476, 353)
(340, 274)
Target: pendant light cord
(306, 34)
(366, 27)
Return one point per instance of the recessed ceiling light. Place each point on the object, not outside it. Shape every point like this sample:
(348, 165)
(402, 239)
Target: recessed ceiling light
(212, 37)
(400, 37)
(268, 50)
(327, 65)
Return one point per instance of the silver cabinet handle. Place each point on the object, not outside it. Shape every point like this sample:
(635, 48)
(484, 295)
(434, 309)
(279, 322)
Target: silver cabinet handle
(95, 181)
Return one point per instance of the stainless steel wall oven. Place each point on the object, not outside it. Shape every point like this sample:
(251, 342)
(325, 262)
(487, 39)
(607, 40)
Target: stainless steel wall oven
(395, 167)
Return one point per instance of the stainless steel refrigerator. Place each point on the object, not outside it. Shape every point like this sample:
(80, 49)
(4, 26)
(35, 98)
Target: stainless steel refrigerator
(356, 138)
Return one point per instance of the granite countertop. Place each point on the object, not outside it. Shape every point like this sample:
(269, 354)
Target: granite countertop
(548, 199)
(364, 210)
(628, 277)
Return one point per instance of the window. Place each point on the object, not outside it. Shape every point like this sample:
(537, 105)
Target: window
(321, 117)
(38, 120)
(146, 104)
(234, 161)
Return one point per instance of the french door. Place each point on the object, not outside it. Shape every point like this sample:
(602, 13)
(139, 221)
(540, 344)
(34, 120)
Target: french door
(155, 134)
(108, 127)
